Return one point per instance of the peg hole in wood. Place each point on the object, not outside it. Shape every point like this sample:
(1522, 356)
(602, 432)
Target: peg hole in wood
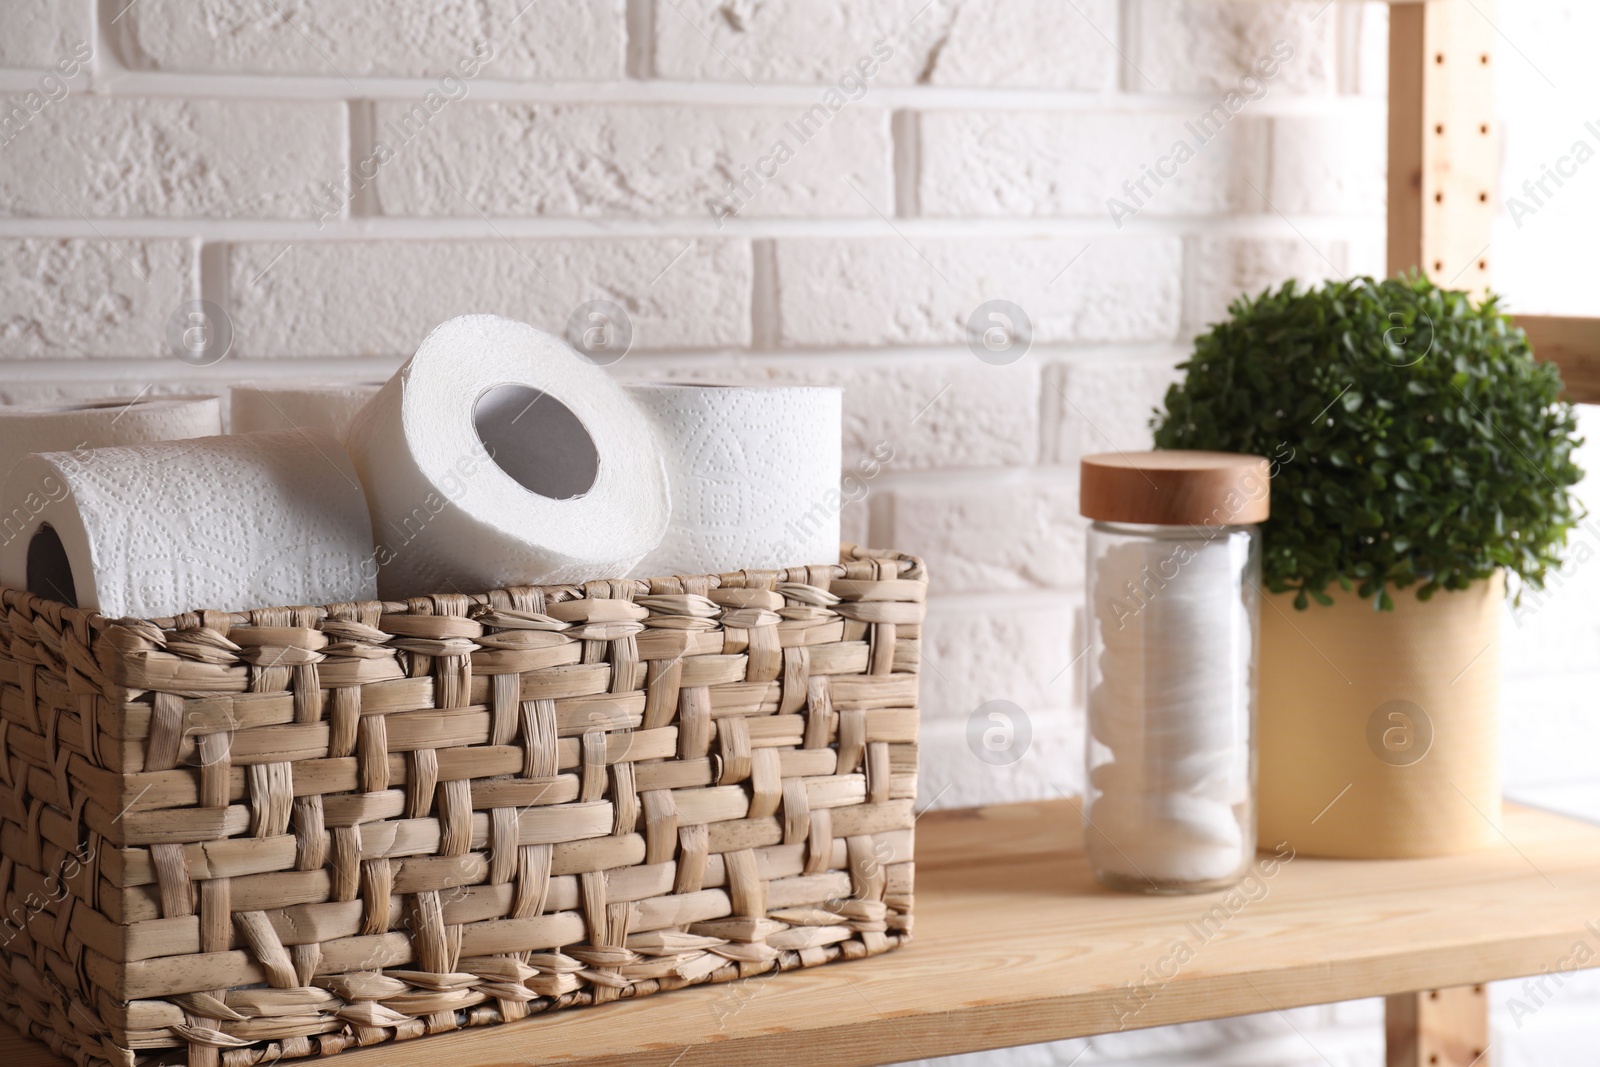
(1483, 198)
(1483, 128)
(1438, 265)
(1438, 198)
(1484, 59)
(1439, 129)
(1439, 58)
(1483, 264)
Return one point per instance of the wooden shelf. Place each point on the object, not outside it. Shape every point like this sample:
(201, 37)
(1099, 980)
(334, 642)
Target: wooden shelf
(1572, 343)
(1017, 944)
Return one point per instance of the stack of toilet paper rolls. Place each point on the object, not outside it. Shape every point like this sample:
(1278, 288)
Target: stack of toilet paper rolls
(495, 456)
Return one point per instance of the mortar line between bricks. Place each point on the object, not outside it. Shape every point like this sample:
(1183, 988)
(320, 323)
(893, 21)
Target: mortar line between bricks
(37, 369)
(489, 227)
(122, 82)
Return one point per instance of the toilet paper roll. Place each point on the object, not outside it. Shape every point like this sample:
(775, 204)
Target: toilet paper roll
(499, 456)
(257, 406)
(230, 523)
(79, 424)
(753, 473)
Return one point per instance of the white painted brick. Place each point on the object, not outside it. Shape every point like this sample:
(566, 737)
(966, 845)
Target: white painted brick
(945, 411)
(1329, 165)
(1372, 50)
(1367, 1013)
(1366, 252)
(951, 776)
(67, 299)
(1018, 650)
(1048, 163)
(37, 35)
(352, 38)
(1205, 46)
(1225, 267)
(366, 298)
(173, 158)
(1009, 43)
(855, 526)
(888, 291)
(1104, 405)
(643, 160)
(1001, 534)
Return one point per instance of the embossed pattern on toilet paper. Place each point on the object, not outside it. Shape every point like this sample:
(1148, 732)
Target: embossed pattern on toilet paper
(750, 470)
(227, 523)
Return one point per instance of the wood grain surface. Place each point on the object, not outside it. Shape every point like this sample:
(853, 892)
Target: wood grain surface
(1572, 343)
(1015, 943)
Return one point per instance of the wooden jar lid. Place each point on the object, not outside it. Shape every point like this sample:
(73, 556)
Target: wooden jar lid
(1174, 488)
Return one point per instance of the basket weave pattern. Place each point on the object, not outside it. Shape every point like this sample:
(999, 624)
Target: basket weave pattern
(287, 832)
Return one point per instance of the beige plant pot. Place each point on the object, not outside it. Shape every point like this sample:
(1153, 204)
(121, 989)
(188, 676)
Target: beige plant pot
(1379, 731)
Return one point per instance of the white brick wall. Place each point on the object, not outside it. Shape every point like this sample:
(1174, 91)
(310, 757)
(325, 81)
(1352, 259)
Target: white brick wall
(299, 298)
(571, 150)
(73, 298)
(888, 291)
(532, 160)
(1009, 43)
(1052, 164)
(36, 35)
(365, 38)
(1204, 45)
(141, 157)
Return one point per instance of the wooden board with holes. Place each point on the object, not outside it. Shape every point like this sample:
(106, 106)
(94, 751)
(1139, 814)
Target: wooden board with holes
(1015, 943)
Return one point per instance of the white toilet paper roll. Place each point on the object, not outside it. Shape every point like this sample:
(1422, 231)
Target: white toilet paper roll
(257, 406)
(499, 456)
(751, 470)
(230, 523)
(79, 424)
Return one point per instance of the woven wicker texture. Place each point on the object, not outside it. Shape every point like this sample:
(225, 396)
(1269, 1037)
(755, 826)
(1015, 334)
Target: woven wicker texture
(238, 838)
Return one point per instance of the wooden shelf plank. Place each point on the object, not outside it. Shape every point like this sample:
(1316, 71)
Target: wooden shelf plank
(1573, 344)
(1017, 944)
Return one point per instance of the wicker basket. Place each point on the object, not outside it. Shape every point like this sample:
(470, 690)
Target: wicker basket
(294, 831)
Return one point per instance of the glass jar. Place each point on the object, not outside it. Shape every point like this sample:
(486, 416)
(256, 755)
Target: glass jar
(1174, 565)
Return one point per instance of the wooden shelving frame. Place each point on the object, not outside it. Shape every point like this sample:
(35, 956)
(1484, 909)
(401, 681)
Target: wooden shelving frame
(1444, 141)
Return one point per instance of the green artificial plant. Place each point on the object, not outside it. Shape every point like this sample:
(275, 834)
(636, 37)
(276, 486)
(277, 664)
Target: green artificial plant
(1413, 437)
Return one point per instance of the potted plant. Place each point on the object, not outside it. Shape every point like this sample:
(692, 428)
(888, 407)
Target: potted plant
(1420, 455)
